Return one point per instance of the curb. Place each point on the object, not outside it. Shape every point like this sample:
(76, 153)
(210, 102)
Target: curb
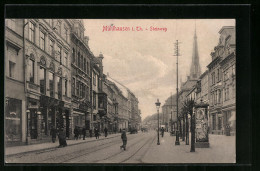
(10, 155)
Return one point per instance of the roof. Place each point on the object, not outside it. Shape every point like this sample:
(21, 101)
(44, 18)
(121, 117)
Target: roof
(120, 87)
(171, 100)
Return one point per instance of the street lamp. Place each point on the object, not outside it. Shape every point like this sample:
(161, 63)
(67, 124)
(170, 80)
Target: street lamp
(158, 107)
(177, 142)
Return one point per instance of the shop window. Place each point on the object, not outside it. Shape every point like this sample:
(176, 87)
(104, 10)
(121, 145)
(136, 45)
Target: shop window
(13, 120)
(214, 121)
(219, 123)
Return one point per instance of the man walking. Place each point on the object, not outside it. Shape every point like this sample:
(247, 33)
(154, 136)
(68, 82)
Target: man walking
(105, 130)
(96, 133)
(53, 133)
(162, 130)
(62, 138)
(124, 139)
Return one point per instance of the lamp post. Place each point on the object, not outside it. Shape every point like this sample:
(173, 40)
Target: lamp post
(158, 107)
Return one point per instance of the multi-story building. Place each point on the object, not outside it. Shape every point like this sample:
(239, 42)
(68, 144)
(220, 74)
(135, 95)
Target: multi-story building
(228, 67)
(99, 104)
(169, 112)
(81, 58)
(202, 88)
(220, 70)
(44, 71)
(15, 100)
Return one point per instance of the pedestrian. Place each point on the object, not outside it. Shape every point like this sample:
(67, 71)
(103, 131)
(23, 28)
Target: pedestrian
(162, 130)
(124, 139)
(120, 130)
(90, 132)
(62, 138)
(53, 133)
(79, 132)
(84, 132)
(96, 131)
(105, 130)
(76, 133)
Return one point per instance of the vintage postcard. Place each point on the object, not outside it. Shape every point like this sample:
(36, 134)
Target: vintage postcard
(120, 91)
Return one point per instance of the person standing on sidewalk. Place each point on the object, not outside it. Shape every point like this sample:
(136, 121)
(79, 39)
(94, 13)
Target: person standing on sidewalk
(162, 130)
(53, 133)
(124, 139)
(62, 138)
(105, 130)
(84, 132)
(96, 133)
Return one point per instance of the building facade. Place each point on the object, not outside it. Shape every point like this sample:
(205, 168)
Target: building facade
(220, 86)
(81, 81)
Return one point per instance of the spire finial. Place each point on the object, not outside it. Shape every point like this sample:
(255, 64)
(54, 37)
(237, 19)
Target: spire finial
(195, 35)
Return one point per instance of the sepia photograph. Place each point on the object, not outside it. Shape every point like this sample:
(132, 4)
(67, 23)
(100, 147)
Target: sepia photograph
(128, 91)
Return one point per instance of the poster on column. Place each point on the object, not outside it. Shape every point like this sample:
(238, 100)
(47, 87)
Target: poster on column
(201, 125)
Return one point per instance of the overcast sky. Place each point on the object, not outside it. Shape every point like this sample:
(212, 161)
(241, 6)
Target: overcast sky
(143, 60)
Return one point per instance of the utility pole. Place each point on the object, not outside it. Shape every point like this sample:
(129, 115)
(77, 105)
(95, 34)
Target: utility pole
(177, 142)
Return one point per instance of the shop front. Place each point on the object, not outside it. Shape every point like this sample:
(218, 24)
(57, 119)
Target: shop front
(13, 124)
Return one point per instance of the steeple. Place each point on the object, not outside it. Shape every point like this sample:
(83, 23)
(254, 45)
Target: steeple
(195, 70)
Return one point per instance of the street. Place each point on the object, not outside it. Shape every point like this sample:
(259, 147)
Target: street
(141, 148)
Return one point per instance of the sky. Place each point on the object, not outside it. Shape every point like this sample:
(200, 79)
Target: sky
(143, 60)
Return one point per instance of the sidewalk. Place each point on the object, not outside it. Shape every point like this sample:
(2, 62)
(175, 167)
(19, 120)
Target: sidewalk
(9, 151)
(222, 150)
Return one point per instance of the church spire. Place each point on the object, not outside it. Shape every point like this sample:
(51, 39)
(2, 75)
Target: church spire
(195, 70)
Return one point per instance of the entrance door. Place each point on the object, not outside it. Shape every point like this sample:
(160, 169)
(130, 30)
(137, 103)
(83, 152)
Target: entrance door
(33, 124)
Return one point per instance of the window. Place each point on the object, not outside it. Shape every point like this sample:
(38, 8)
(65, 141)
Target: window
(42, 40)
(213, 78)
(31, 32)
(83, 91)
(31, 70)
(59, 83)
(218, 77)
(11, 69)
(81, 62)
(94, 78)
(80, 90)
(87, 67)
(51, 84)
(88, 94)
(51, 47)
(219, 96)
(78, 59)
(66, 87)
(73, 56)
(77, 88)
(73, 86)
(84, 65)
(228, 92)
(59, 54)
(66, 58)
(42, 78)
